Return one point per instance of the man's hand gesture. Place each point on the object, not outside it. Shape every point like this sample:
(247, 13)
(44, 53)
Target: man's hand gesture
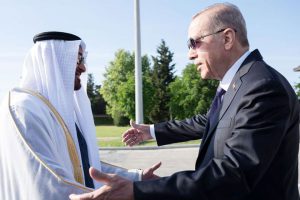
(136, 134)
(116, 188)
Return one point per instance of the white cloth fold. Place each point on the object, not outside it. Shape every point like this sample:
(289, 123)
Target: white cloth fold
(35, 160)
(49, 69)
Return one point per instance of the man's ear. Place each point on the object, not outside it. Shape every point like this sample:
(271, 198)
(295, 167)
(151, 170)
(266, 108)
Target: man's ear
(229, 38)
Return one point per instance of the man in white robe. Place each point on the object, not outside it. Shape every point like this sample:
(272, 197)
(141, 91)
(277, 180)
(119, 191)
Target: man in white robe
(43, 154)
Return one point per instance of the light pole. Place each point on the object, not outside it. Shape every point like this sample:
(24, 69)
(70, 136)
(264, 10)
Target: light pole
(139, 114)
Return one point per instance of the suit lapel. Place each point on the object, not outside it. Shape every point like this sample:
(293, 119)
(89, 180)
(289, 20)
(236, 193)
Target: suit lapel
(227, 99)
(231, 92)
(229, 95)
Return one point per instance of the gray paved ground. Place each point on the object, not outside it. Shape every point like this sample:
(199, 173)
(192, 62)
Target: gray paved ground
(173, 159)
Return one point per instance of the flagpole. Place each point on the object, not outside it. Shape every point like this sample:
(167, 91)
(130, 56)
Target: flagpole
(139, 114)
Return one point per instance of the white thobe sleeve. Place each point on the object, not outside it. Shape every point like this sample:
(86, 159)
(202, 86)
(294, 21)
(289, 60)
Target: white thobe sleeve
(130, 174)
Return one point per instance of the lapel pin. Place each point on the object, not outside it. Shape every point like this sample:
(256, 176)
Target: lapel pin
(233, 86)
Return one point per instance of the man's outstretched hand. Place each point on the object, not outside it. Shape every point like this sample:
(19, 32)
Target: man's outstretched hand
(116, 188)
(148, 173)
(136, 134)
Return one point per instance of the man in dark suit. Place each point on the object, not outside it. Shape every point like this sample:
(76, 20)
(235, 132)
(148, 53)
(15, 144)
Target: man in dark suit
(249, 148)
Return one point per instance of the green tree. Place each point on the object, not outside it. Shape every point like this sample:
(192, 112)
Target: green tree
(93, 92)
(99, 104)
(118, 87)
(162, 76)
(90, 86)
(297, 87)
(191, 95)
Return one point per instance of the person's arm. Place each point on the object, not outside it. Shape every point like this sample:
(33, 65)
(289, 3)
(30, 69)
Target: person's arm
(180, 131)
(131, 174)
(166, 132)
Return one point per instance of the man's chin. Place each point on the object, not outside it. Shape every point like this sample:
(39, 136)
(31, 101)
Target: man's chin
(204, 76)
(77, 87)
(77, 84)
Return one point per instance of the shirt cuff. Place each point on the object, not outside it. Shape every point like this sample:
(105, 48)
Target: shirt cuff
(152, 131)
(138, 174)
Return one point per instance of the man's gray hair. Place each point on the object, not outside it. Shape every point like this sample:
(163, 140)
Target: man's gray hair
(226, 15)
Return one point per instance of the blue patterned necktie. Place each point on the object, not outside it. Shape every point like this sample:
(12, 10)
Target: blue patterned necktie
(215, 107)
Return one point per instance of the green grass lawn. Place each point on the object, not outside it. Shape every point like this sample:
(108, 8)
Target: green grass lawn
(111, 136)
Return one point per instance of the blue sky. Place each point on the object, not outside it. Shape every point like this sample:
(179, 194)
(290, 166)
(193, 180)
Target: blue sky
(107, 25)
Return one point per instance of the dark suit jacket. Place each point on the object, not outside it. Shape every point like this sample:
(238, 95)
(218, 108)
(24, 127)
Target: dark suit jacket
(251, 151)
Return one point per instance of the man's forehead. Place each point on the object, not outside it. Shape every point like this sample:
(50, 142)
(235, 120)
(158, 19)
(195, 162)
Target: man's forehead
(198, 26)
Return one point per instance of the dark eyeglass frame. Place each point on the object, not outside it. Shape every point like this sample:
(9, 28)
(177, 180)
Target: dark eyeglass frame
(80, 59)
(192, 43)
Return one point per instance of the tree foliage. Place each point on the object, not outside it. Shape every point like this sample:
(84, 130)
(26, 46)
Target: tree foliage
(297, 87)
(191, 95)
(118, 87)
(164, 95)
(97, 102)
(162, 76)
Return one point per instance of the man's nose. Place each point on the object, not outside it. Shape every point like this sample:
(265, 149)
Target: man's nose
(82, 68)
(192, 54)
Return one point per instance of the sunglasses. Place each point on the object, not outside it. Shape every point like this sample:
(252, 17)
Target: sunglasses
(193, 43)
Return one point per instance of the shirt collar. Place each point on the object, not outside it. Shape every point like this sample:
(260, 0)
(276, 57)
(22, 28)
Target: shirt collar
(225, 82)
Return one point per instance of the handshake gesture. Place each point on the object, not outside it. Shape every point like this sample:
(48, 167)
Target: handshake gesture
(116, 187)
